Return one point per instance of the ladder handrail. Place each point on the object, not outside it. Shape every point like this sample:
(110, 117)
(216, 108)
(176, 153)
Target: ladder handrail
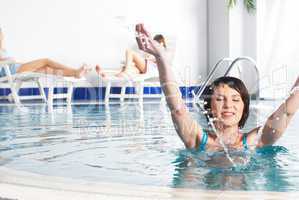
(233, 62)
(254, 65)
(242, 58)
(199, 93)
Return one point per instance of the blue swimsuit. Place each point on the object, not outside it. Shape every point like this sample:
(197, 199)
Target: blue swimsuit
(204, 140)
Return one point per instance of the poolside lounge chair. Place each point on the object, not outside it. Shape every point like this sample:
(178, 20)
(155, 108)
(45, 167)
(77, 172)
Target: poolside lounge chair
(15, 81)
(138, 82)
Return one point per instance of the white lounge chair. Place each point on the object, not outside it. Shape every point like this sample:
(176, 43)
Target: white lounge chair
(58, 81)
(138, 83)
(15, 81)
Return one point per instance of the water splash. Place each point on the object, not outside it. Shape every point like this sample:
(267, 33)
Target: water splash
(211, 120)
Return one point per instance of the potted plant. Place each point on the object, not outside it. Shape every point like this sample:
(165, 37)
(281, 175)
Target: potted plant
(249, 4)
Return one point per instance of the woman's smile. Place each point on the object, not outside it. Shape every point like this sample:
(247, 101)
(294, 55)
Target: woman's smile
(227, 114)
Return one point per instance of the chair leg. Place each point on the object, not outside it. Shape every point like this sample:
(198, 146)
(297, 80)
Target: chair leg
(15, 96)
(139, 87)
(50, 95)
(107, 92)
(123, 92)
(41, 90)
(18, 85)
(14, 88)
(69, 93)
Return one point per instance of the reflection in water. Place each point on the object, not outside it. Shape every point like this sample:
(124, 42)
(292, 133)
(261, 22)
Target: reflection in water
(134, 145)
(207, 171)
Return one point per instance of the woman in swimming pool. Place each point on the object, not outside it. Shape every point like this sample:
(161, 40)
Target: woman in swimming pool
(228, 101)
(45, 65)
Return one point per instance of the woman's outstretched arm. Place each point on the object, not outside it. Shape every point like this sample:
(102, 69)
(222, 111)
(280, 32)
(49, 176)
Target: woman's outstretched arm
(187, 128)
(278, 121)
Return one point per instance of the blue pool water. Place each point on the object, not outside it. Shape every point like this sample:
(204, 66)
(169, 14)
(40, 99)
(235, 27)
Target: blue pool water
(138, 145)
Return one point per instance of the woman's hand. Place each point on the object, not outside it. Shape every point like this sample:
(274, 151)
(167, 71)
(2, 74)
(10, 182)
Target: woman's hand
(146, 43)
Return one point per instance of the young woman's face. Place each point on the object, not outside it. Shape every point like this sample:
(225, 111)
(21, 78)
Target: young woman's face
(227, 105)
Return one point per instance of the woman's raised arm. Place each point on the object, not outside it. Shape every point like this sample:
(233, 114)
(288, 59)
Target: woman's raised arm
(187, 128)
(278, 121)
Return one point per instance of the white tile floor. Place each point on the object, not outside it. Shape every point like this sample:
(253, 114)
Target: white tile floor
(24, 185)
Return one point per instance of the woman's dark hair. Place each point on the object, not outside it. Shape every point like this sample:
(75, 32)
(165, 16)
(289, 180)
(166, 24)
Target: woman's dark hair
(235, 84)
(160, 38)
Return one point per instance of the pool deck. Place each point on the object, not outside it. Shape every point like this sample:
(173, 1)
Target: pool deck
(24, 185)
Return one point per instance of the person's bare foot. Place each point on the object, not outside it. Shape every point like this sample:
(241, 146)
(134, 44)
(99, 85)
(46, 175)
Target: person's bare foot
(120, 74)
(81, 71)
(124, 74)
(128, 72)
(100, 71)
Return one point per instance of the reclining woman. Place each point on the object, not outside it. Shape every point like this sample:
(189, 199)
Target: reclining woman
(45, 65)
(135, 63)
(228, 102)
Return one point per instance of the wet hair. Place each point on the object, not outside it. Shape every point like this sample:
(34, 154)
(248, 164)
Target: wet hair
(160, 38)
(235, 84)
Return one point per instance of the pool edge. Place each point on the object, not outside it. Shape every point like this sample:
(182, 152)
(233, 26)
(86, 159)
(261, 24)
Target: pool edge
(24, 185)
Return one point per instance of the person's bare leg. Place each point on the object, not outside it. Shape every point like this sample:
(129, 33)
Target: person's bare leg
(68, 72)
(128, 71)
(100, 71)
(134, 64)
(77, 73)
(134, 59)
(48, 70)
(38, 65)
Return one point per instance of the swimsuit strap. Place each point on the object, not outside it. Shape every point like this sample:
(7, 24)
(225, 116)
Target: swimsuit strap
(203, 142)
(244, 140)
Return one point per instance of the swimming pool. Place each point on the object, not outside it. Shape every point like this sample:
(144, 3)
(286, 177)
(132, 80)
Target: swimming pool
(132, 144)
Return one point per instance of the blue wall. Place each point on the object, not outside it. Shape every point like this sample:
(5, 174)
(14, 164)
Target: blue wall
(97, 93)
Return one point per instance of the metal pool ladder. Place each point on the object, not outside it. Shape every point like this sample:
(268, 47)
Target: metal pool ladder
(232, 62)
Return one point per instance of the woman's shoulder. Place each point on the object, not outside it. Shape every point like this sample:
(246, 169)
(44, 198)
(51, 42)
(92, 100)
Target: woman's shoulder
(211, 136)
(252, 135)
